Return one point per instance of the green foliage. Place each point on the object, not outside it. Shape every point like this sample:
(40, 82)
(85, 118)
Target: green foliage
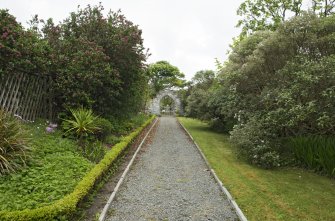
(94, 151)
(266, 15)
(105, 129)
(53, 170)
(270, 14)
(112, 139)
(164, 75)
(81, 124)
(257, 143)
(276, 84)
(196, 103)
(123, 126)
(284, 81)
(64, 207)
(323, 7)
(13, 144)
(315, 152)
(92, 60)
(166, 104)
(20, 50)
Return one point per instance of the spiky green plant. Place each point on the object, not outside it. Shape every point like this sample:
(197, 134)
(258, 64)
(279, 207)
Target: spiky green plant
(81, 124)
(316, 152)
(13, 144)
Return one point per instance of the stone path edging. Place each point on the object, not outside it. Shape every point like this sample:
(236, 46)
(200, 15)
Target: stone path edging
(224, 189)
(103, 214)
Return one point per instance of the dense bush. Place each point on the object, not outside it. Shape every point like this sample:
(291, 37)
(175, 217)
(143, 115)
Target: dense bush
(98, 62)
(94, 61)
(276, 84)
(105, 128)
(13, 144)
(20, 50)
(197, 95)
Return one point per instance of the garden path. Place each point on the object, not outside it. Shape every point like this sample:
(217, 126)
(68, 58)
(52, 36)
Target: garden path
(170, 181)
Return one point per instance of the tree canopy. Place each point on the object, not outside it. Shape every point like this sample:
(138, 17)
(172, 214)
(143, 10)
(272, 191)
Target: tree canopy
(163, 75)
(269, 14)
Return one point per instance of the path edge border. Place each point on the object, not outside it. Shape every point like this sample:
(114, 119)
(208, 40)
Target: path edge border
(233, 203)
(103, 214)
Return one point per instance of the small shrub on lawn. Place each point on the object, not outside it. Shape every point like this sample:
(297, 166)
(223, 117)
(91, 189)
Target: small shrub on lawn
(105, 129)
(315, 152)
(256, 144)
(13, 144)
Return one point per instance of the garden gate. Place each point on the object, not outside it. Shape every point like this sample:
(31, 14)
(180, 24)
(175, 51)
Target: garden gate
(154, 106)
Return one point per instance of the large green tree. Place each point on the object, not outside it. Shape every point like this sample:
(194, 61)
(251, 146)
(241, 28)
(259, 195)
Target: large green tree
(323, 7)
(269, 14)
(164, 75)
(266, 14)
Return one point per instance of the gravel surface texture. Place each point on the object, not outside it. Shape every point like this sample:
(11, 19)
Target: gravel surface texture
(170, 181)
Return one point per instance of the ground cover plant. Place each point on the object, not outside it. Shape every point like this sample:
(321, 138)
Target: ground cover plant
(288, 194)
(56, 166)
(65, 208)
(53, 171)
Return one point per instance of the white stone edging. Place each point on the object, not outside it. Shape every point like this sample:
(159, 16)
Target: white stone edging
(103, 214)
(223, 189)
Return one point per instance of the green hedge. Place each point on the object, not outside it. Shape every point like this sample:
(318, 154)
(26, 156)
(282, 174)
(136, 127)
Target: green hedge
(66, 206)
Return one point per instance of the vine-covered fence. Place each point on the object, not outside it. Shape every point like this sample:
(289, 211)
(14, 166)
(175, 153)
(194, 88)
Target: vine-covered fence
(26, 96)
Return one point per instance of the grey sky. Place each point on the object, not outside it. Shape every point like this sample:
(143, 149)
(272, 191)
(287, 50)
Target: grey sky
(189, 34)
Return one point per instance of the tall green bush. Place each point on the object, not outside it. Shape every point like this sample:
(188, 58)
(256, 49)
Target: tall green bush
(275, 85)
(97, 61)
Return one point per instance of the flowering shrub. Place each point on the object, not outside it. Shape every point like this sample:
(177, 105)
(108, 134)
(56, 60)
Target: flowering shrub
(94, 61)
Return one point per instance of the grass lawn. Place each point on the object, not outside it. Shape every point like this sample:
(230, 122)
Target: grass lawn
(53, 171)
(281, 194)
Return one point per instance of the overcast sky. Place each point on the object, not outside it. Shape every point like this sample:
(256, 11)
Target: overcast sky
(189, 34)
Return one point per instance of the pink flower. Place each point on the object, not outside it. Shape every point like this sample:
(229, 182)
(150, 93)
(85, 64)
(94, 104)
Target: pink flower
(49, 129)
(4, 35)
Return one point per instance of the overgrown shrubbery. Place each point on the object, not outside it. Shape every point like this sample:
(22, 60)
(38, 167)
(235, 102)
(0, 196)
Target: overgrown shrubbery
(105, 129)
(94, 61)
(275, 85)
(13, 144)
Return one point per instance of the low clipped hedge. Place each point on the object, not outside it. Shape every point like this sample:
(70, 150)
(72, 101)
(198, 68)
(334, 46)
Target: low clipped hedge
(63, 208)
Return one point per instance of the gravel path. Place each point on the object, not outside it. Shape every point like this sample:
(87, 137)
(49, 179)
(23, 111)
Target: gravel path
(170, 181)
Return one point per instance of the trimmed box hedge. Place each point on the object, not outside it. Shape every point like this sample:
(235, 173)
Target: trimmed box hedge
(63, 208)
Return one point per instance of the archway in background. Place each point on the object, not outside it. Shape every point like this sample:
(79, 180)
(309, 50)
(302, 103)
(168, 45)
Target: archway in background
(167, 106)
(154, 107)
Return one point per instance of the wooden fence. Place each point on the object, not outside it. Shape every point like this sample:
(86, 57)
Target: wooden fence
(26, 96)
